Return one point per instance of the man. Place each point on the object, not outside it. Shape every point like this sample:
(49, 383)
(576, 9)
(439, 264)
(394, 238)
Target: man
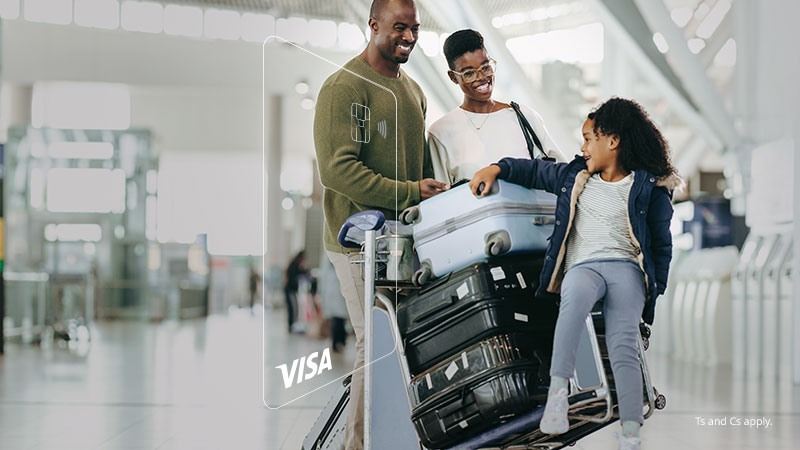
(369, 134)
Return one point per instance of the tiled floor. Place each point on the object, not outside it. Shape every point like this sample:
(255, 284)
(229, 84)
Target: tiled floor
(198, 385)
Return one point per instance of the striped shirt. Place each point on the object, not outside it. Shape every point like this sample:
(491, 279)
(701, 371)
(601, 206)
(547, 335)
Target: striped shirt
(600, 227)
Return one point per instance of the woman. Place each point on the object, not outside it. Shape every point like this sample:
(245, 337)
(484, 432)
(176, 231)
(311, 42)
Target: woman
(481, 130)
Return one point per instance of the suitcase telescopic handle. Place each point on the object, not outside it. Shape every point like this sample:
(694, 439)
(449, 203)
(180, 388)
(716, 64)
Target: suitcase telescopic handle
(370, 220)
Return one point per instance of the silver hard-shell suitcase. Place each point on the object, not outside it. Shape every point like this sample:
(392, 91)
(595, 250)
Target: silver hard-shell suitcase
(456, 228)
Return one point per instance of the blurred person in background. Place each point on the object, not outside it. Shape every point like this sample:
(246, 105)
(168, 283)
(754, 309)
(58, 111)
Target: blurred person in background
(291, 283)
(255, 282)
(332, 303)
(481, 130)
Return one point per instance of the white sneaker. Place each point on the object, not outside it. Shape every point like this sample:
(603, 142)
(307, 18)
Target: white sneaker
(554, 420)
(629, 443)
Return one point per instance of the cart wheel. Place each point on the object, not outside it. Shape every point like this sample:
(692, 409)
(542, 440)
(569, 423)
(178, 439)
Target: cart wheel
(409, 215)
(496, 245)
(646, 343)
(422, 276)
(661, 401)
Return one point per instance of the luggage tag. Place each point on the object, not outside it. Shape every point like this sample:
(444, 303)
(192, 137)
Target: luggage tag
(462, 290)
(451, 370)
(497, 273)
(521, 280)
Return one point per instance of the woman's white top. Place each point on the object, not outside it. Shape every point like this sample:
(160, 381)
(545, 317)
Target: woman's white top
(462, 142)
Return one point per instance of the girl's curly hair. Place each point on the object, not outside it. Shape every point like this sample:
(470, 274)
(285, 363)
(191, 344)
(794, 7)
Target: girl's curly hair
(641, 145)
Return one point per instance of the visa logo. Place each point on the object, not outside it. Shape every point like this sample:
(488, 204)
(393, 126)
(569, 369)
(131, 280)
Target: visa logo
(308, 364)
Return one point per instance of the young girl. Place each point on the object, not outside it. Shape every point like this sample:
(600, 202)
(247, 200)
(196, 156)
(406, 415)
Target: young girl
(611, 240)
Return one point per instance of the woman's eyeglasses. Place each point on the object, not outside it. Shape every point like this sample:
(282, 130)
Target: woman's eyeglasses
(471, 75)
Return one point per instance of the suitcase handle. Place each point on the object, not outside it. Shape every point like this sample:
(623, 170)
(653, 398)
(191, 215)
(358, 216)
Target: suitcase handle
(544, 220)
(364, 221)
(431, 311)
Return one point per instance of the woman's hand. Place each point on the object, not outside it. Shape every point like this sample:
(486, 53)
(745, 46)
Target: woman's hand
(483, 180)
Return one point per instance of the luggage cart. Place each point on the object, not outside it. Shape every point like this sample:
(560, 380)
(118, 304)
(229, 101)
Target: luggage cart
(592, 407)
(369, 222)
(381, 268)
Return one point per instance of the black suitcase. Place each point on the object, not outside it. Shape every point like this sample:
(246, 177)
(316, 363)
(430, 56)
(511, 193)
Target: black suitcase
(471, 305)
(329, 428)
(477, 403)
(496, 278)
(476, 359)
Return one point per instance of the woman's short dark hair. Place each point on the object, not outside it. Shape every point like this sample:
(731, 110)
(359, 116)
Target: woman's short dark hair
(460, 42)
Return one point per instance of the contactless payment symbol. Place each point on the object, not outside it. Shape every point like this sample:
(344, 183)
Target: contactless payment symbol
(359, 123)
(382, 128)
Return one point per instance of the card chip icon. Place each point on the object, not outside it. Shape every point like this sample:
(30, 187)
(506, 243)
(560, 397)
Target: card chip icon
(359, 123)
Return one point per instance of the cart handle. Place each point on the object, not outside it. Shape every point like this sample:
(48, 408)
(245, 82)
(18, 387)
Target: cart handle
(370, 220)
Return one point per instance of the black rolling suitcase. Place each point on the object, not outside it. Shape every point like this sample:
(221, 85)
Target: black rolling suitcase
(479, 402)
(474, 304)
(476, 359)
(328, 430)
(474, 390)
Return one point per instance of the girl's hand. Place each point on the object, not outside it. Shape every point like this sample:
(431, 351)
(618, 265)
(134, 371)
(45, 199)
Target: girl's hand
(483, 180)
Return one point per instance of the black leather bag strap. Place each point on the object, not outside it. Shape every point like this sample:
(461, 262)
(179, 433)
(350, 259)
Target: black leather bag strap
(530, 136)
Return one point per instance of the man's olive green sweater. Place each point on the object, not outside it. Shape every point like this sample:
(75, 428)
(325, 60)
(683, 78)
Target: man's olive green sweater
(373, 157)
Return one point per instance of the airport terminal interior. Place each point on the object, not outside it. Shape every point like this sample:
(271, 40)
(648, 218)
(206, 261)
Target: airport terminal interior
(158, 178)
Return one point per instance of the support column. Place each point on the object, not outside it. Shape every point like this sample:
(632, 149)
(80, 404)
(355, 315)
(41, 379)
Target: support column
(796, 256)
(692, 74)
(15, 109)
(617, 70)
(273, 148)
(794, 73)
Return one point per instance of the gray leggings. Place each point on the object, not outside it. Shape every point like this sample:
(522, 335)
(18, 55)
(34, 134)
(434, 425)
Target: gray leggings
(621, 283)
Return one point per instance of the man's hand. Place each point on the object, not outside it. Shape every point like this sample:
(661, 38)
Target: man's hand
(430, 187)
(483, 179)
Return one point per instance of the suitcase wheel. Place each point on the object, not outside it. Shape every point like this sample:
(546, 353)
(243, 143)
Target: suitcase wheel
(422, 276)
(646, 343)
(661, 401)
(497, 244)
(410, 215)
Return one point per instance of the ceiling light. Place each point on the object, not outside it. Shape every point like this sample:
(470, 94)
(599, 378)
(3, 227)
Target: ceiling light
(146, 17)
(661, 42)
(222, 24)
(301, 87)
(696, 45)
(80, 150)
(307, 103)
(257, 27)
